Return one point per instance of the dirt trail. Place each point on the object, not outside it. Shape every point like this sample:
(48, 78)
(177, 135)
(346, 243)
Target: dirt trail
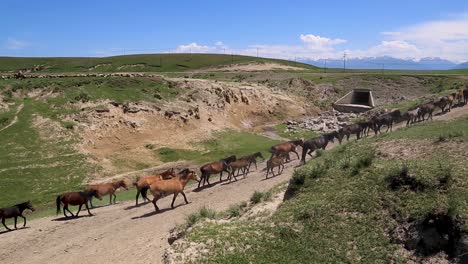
(124, 234)
(15, 119)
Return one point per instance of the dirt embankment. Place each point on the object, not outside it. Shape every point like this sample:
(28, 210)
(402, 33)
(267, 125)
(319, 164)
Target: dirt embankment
(111, 131)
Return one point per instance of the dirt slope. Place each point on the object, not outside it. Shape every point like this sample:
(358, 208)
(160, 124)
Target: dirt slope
(124, 234)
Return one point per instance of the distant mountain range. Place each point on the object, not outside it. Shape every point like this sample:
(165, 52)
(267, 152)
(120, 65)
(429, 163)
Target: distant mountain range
(389, 63)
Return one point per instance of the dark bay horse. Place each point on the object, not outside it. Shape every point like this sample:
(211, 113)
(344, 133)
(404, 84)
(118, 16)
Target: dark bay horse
(348, 130)
(319, 142)
(75, 198)
(14, 212)
(107, 189)
(286, 147)
(427, 108)
(386, 119)
(142, 184)
(252, 159)
(215, 168)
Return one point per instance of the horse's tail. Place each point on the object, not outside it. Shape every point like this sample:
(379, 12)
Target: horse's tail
(57, 201)
(144, 191)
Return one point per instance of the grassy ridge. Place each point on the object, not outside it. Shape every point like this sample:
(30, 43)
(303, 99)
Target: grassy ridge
(341, 209)
(133, 63)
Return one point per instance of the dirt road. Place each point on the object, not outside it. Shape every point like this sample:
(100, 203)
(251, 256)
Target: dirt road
(124, 234)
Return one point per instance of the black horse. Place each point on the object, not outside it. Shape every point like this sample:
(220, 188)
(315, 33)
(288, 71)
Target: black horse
(14, 212)
(319, 142)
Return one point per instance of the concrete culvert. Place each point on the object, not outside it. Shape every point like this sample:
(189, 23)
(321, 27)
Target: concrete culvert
(358, 101)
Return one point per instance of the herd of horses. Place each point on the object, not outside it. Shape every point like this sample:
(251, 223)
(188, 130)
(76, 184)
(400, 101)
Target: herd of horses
(171, 182)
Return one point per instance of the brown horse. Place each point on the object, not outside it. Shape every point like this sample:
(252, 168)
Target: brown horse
(142, 184)
(253, 159)
(276, 161)
(286, 147)
(348, 130)
(75, 198)
(386, 119)
(239, 165)
(215, 168)
(107, 189)
(14, 212)
(174, 186)
(427, 108)
(465, 96)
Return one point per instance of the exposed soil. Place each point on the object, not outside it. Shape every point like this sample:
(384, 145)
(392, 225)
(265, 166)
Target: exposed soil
(252, 67)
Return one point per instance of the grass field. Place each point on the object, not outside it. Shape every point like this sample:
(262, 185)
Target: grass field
(133, 63)
(341, 208)
(223, 144)
(32, 167)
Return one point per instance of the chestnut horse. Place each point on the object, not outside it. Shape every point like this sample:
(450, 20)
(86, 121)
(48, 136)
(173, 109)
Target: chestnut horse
(14, 212)
(143, 183)
(75, 198)
(286, 147)
(107, 189)
(253, 159)
(215, 168)
(174, 186)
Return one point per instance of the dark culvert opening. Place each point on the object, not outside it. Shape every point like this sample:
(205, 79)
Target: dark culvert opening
(361, 98)
(438, 232)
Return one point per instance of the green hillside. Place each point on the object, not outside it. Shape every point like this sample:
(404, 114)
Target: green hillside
(132, 63)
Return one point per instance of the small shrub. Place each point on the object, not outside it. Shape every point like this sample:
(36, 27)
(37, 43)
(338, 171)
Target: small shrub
(362, 162)
(149, 146)
(4, 121)
(256, 197)
(202, 214)
(82, 97)
(68, 125)
(319, 153)
(235, 210)
(295, 184)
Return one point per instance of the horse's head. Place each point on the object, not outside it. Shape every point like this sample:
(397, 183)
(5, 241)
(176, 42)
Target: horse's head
(123, 184)
(29, 206)
(189, 174)
(299, 142)
(259, 154)
(194, 176)
(331, 136)
(230, 159)
(96, 194)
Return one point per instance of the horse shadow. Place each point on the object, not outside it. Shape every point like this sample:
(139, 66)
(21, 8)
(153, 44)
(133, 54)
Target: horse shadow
(71, 218)
(8, 231)
(206, 186)
(156, 212)
(130, 207)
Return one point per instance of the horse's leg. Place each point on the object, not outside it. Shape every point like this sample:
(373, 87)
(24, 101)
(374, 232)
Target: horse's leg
(155, 199)
(185, 198)
(24, 220)
(87, 208)
(66, 208)
(115, 197)
(138, 194)
(268, 170)
(296, 153)
(91, 202)
(3, 222)
(16, 220)
(110, 198)
(255, 162)
(173, 200)
(79, 209)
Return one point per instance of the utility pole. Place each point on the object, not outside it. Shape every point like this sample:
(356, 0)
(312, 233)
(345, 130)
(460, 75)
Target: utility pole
(344, 62)
(232, 58)
(325, 67)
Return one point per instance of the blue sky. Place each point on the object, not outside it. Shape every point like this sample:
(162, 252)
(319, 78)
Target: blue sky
(283, 29)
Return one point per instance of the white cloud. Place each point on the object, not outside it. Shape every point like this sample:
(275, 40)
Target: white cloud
(446, 39)
(441, 38)
(195, 48)
(15, 44)
(318, 43)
